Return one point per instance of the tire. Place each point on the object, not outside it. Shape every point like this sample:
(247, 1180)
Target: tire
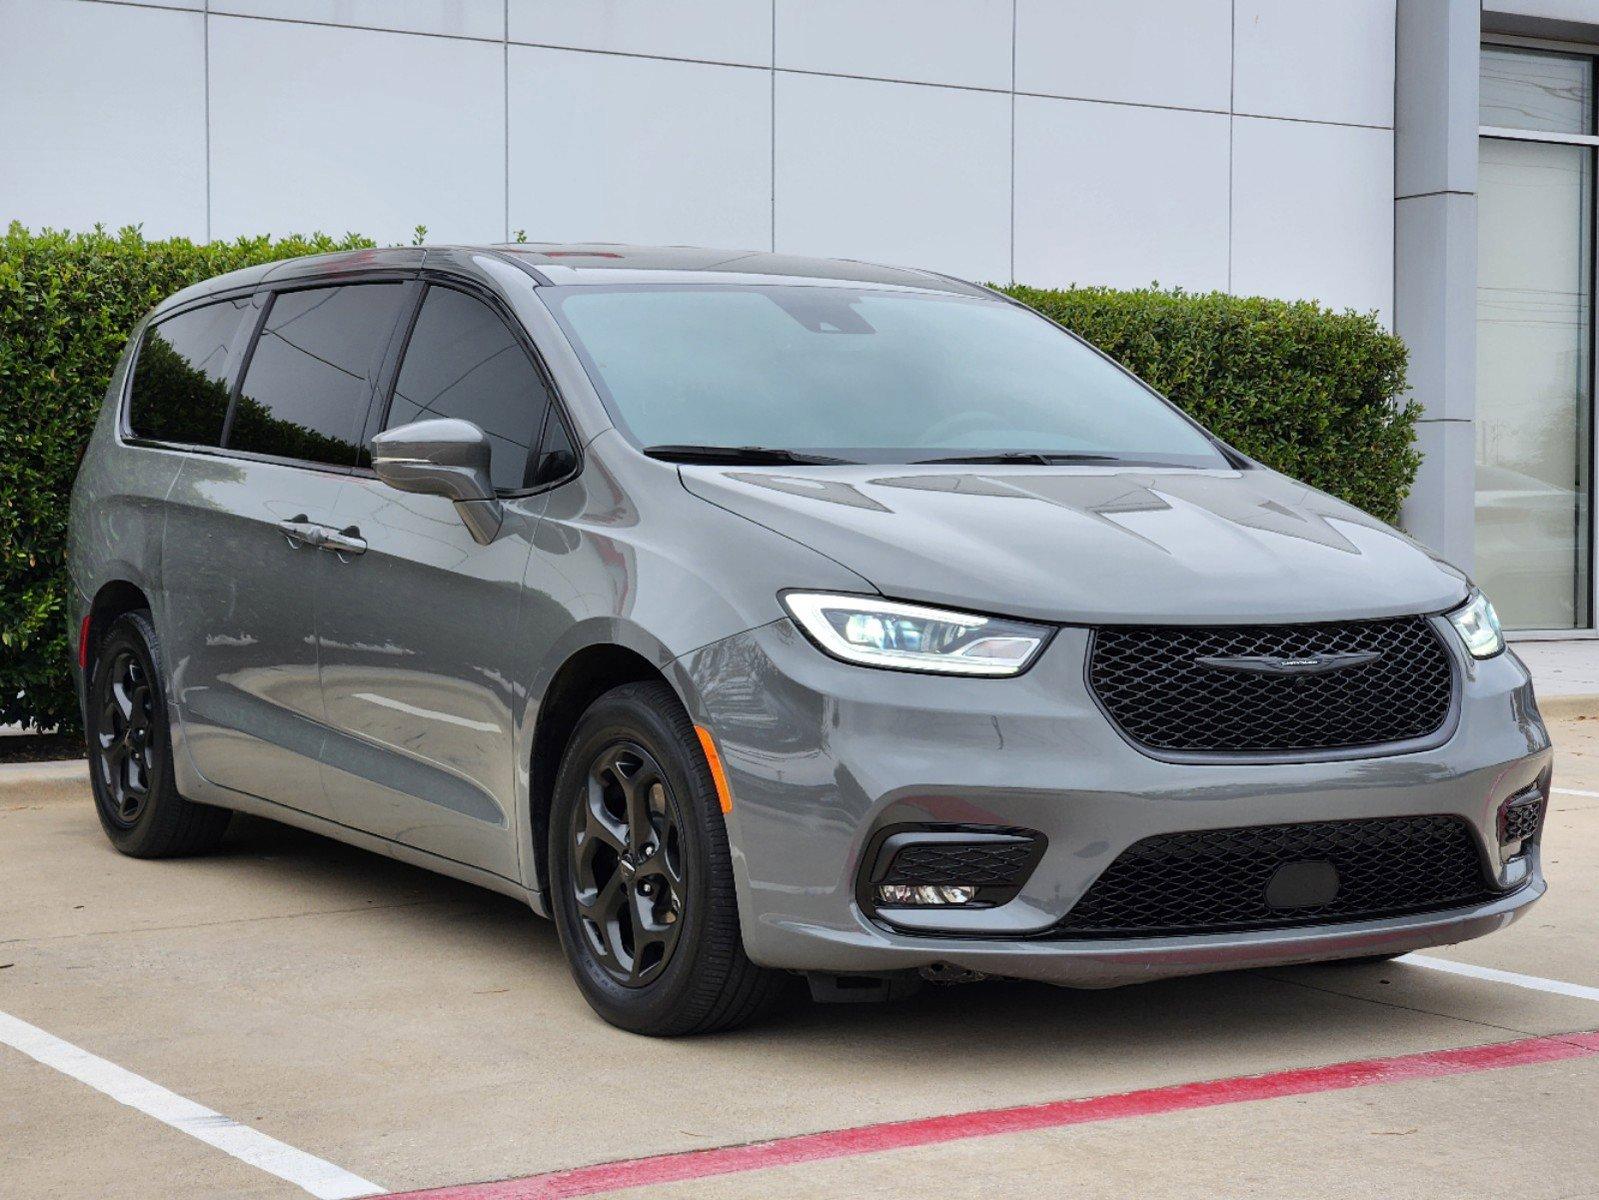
(129, 737)
(640, 879)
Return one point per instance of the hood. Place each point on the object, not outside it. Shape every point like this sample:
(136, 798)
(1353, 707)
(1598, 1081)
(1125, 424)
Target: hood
(1095, 545)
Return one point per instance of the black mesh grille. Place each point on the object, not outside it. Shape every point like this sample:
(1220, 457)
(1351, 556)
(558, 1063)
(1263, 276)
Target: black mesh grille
(1217, 879)
(1150, 680)
(973, 864)
(1520, 817)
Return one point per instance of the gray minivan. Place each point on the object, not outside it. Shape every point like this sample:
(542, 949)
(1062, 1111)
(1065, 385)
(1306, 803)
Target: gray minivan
(753, 615)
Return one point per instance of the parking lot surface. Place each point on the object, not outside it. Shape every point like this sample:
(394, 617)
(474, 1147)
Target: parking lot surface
(411, 1032)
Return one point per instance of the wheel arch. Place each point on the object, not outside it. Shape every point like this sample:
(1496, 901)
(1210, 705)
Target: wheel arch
(582, 677)
(114, 598)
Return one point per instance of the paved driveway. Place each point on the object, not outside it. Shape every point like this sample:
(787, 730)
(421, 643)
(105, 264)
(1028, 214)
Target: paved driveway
(410, 1032)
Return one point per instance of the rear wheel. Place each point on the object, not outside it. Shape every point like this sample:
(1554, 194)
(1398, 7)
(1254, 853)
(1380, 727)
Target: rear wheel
(640, 878)
(130, 751)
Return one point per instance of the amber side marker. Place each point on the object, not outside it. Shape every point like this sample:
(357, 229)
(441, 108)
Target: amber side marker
(718, 776)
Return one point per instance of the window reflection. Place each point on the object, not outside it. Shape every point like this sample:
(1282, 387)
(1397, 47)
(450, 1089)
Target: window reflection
(306, 389)
(180, 389)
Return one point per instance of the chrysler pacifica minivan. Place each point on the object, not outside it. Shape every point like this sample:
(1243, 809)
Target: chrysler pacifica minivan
(754, 616)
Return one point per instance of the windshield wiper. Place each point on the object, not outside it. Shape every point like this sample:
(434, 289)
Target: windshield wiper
(1036, 457)
(756, 455)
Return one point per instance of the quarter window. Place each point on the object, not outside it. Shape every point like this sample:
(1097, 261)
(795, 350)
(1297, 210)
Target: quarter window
(180, 383)
(306, 389)
(463, 361)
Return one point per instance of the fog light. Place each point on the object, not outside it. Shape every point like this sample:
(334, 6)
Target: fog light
(904, 893)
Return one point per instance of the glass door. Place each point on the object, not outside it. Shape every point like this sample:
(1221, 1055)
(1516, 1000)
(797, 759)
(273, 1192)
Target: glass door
(1534, 338)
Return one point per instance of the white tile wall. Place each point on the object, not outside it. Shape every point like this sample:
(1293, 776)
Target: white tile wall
(300, 141)
(963, 42)
(1170, 52)
(620, 149)
(454, 18)
(734, 31)
(613, 120)
(915, 176)
(1119, 195)
(103, 117)
(1317, 60)
(1313, 215)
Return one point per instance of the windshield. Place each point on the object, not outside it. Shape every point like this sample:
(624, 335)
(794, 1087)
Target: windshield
(862, 375)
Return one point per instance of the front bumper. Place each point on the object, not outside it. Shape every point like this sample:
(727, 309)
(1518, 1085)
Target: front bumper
(821, 755)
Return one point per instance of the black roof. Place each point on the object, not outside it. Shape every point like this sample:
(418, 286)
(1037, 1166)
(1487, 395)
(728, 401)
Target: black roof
(600, 263)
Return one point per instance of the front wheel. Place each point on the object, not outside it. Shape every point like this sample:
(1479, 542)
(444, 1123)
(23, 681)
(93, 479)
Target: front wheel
(640, 878)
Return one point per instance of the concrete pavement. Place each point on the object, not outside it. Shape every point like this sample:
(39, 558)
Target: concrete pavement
(420, 1032)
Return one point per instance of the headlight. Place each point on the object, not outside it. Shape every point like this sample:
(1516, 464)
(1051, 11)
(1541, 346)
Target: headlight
(1478, 627)
(907, 637)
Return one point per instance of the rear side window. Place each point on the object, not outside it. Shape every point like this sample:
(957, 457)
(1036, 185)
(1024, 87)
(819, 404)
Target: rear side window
(180, 384)
(306, 389)
(463, 361)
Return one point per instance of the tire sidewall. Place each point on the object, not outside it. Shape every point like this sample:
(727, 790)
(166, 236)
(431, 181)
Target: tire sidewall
(625, 715)
(132, 631)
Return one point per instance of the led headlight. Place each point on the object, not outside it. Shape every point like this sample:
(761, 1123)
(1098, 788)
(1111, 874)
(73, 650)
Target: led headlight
(908, 637)
(1478, 627)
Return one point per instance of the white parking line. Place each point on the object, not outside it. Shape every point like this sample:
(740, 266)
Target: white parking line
(321, 1179)
(1574, 792)
(1534, 982)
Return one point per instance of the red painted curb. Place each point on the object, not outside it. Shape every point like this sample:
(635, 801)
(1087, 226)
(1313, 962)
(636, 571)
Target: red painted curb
(899, 1135)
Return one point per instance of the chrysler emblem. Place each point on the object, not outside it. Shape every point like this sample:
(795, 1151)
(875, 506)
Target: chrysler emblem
(1304, 664)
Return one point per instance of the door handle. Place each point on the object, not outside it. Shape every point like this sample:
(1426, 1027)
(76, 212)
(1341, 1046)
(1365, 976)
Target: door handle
(347, 541)
(301, 531)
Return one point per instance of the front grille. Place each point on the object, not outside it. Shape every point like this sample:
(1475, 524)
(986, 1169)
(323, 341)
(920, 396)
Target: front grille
(1218, 879)
(1152, 684)
(962, 864)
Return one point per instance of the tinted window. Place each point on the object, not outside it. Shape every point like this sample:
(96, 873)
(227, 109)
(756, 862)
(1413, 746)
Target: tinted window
(305, 391)
(462, 361)
(557, 459)
(180, 391)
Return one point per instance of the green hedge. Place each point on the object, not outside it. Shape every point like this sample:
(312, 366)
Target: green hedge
(67, 302)
(1313, 393)
(1310, 392)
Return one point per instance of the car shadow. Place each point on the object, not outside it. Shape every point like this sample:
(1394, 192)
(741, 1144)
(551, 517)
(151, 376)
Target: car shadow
(1039, 1040)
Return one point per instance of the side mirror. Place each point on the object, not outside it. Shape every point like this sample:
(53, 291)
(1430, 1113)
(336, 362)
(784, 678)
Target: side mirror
(443, 457)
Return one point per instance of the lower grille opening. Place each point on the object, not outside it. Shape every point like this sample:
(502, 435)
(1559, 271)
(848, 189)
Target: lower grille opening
(948, 866)
(1279, 876)
(1520, 817)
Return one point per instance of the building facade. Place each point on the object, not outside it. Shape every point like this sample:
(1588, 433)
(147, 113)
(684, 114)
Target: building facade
(1427, 160)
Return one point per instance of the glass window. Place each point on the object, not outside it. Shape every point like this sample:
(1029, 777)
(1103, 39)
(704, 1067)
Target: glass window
(180, 389)
(305, 391)
(880, 376)
(557, 458)
(1523, 89)
(462, 361)
(1534, 298)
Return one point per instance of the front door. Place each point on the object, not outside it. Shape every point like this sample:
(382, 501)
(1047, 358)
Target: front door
(420, 653)
(240, 565)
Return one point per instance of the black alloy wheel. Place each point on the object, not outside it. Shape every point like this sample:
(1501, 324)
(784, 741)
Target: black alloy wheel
(125, 737)
(130, 749)
(640, 875)
(627, 864)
